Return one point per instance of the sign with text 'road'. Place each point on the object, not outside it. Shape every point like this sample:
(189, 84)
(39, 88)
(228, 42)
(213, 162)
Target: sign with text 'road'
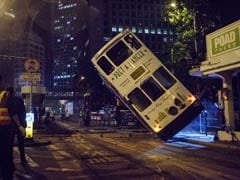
(223, 40)
(223, 49)
(226, 41)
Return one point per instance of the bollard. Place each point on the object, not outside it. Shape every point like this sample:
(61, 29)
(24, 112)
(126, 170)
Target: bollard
(29, 128)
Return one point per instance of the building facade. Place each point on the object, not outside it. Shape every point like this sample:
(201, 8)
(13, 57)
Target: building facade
(69, 42)
(18, 43)
(143, 17)
(81, 28)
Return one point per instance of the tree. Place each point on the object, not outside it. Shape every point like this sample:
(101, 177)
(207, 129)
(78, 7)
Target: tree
(183, 20)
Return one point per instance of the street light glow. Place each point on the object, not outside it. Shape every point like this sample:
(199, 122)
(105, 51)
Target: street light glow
(173, 5)
(82, 78)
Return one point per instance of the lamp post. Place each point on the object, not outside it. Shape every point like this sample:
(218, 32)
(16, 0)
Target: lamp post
(195, 34)
(173, 5)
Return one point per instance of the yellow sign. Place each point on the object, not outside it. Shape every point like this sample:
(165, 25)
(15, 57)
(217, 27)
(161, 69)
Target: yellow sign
(30, 77)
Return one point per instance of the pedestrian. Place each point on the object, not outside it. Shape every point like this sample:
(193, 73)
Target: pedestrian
(8, 117)
(42, 112)
(21, 112)
(63, 113)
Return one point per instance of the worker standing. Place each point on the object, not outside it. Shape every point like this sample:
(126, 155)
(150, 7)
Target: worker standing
(8, 116)
(21, 111)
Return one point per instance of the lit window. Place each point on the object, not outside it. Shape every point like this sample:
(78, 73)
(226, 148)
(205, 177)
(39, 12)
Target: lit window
(106, 38)
(114, 29)
(153, 31)
(165, 31)
(146, 31)
(159, 31)
(134, 29)
(140, 30)
(120, 29)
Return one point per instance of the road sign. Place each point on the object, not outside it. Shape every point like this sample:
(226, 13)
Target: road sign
(30, 77)
(31, 65)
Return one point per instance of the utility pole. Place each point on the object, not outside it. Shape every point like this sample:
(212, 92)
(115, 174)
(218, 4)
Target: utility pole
(195, 34)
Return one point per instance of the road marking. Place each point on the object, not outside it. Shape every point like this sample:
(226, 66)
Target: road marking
(30, 161)
(23, 175)
(62, 169)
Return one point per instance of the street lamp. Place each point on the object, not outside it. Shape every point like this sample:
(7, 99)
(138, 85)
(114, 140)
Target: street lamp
(173, 4)
(82, 78)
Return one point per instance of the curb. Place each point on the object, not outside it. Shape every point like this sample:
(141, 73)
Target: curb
(218, 144)
(38, 142)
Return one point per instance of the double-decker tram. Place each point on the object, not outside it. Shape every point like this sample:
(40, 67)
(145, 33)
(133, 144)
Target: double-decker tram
(139, 79)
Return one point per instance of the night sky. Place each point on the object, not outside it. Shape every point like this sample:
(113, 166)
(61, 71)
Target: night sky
(228, 9)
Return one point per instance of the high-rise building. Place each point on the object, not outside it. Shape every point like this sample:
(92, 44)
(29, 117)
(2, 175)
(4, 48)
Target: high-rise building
(65, 45)
(80, 28)
(76, 38)
(69, 42)
(30, 47)
(17, 44)
(143, 17)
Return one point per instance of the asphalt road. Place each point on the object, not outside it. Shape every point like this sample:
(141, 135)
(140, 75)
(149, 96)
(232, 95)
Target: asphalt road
(65, 151)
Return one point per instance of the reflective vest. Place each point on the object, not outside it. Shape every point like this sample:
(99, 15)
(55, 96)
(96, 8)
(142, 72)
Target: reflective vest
(4, 116)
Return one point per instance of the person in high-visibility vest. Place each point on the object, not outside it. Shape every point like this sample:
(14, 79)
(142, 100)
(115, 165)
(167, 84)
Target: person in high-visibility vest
(21, 111)
(8, 116)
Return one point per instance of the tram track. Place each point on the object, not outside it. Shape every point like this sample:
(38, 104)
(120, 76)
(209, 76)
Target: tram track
(196, 164)
(102, 162)
(116, 157)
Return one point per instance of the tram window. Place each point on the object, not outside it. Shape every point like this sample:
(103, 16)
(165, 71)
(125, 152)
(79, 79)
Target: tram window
(152, 89)
(119, 53)
(139, 100)
(164, 77)
(105, 65)
(133, 42)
